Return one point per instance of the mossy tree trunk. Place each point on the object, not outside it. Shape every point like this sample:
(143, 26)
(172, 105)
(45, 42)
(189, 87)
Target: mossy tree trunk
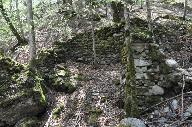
(130, 86)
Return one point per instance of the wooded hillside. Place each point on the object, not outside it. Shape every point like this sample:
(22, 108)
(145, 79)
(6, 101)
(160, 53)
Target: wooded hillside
(98, 63)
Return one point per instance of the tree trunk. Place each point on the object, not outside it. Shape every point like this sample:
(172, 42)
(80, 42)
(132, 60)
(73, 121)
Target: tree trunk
(130, 88)
(149, 19)
(21, 41)
(32, 45)
(185, 9)
(67, 2)
(141, 4)
(118, 11)
(19, 19)
(149, 15)
(93, 38)
(10, 5)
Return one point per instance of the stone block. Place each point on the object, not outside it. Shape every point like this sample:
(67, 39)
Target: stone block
(142, 76)
(141, 62)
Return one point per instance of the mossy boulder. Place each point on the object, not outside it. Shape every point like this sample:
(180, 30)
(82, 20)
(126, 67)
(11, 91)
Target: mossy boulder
(20, 93)
(61, 80)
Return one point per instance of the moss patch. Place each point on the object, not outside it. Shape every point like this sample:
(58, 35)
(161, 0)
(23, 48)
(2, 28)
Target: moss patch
(29, 122)
(61, 80)
(93, 115)
(21, 94)
(56, 112)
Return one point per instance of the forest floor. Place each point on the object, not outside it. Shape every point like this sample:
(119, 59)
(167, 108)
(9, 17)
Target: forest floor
(94, 103)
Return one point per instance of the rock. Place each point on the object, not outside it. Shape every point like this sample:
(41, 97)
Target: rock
(189, 69)
(187, 114)
(21, 94)
(141, 62)
(182, 71)
(141, 69)
(171, 63)
(166, 110)
(142, 76)
(156, 113)
(174, 104)
(189, 109)
(132, 122)
(61, 80)
(162, 120)
(80, 59)
(156, 90)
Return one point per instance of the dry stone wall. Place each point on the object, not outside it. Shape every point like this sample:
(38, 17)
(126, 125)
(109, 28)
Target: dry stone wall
(153, 74)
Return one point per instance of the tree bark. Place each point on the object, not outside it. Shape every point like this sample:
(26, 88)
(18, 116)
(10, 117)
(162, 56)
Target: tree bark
(118, 11)
(10, 5)
(32, 45)
(21, 41)
(141, 4)
(150, 21)
(19, 19)
(130, 88)
(149, 15)
(185, 9)
(93, 37)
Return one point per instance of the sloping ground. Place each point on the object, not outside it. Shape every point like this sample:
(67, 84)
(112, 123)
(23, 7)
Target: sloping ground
(94, 103)
(98, 98)
(174, 112)
(21, 95)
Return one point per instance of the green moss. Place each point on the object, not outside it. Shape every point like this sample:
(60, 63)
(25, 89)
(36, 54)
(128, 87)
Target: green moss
(164, 68)
(56, 112)
(63, 85)
(38, 89)
(137, 22)
(10, 66)
(60, 80)
(123, 55)
(141, 35)
(81, 77)
(168, 1)
(94, 115)
(130, 85)
(103, 99)
(116, 82)
(28, 122)
(151, 100)
(154, 53)
(14, 99)
(62, 73)
(46, 58)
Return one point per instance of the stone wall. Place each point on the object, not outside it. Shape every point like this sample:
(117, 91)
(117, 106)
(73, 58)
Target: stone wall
(152, 74)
